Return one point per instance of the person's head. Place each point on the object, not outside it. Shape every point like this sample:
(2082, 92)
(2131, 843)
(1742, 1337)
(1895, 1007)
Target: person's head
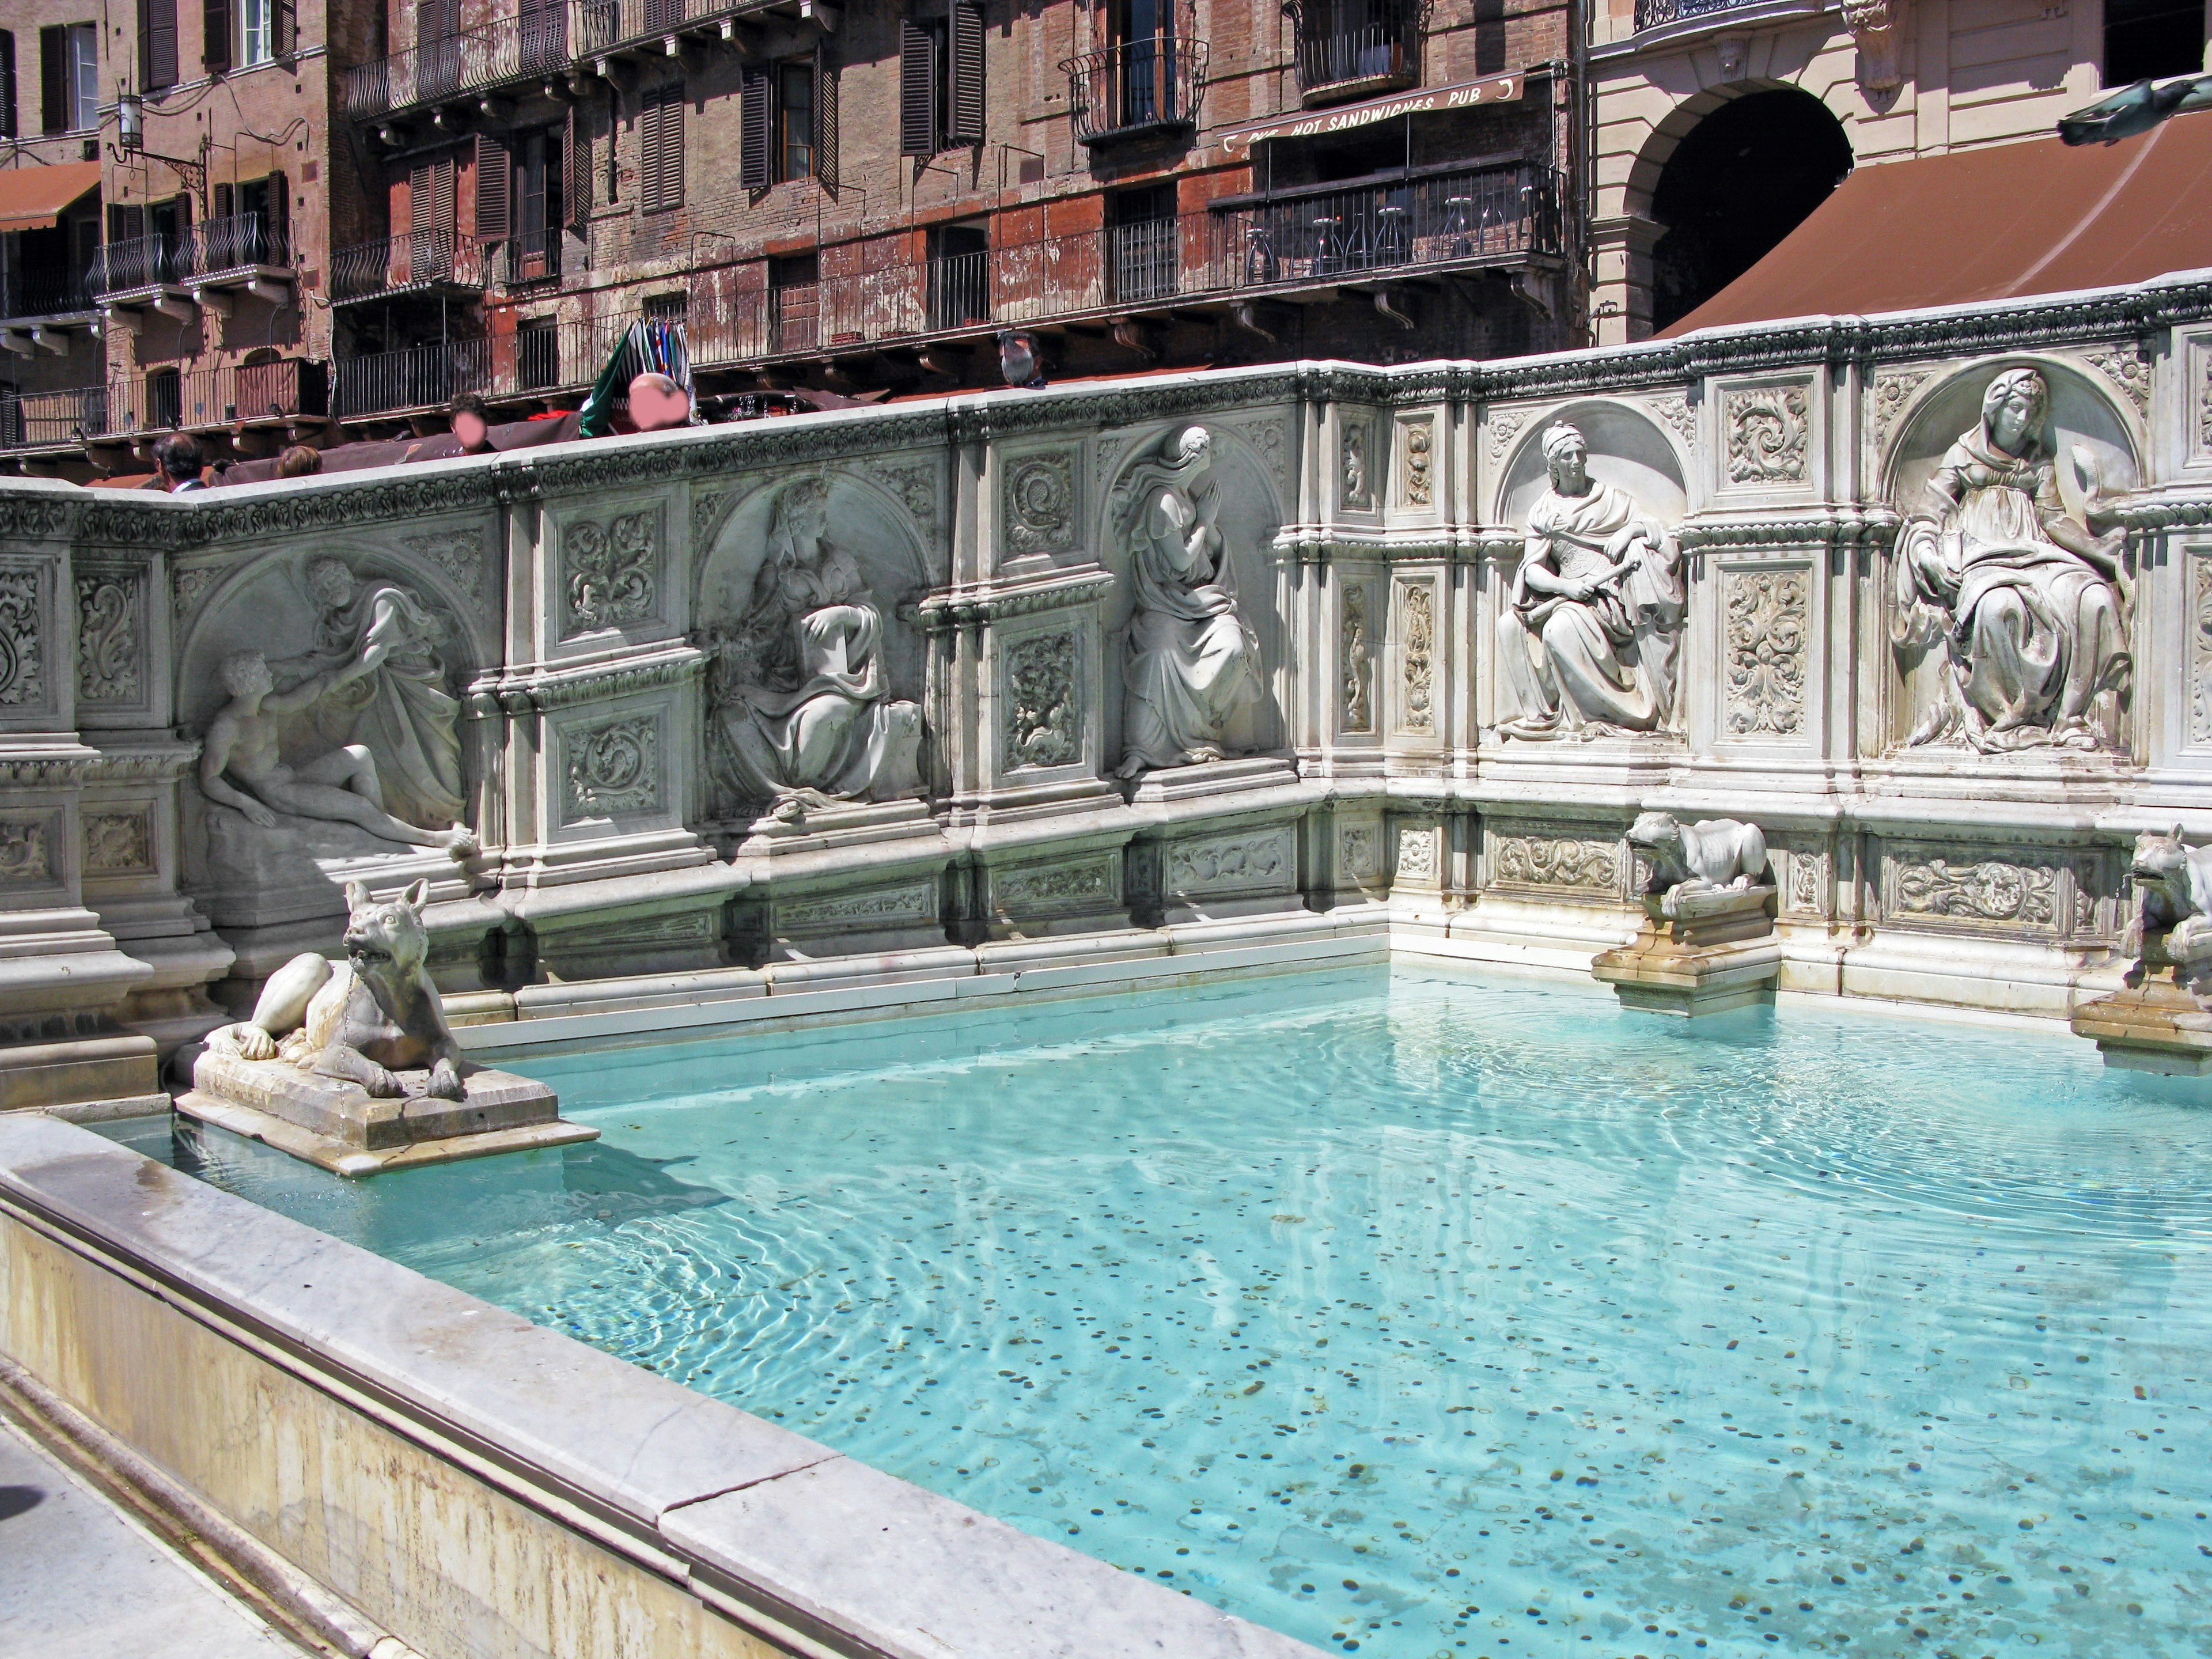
(2013, 407)
(331, 582)
(657, 404)
(178, 458)
(1192, 451)
(802, 512)
(245, 673)
(1566, 457)
(469, 422)
(1019, 360)
(300, 462)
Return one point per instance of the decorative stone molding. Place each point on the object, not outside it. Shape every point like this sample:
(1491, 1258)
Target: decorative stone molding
(26, 854)
(1266, 861)
(2127, 367)
(1768, 430)
(110, 633)
(2200, 647)
(915, 484)
(1503, 427)
(188, 588)
(1842, 526)
(969, 607)
(1766, 614)
(1356, 648)
(1417, 632)
(1043, 723)
(1417, 442)
(1678, 416)
(1808, 886)
(118, 843)
(1046, 886)
(1556, 864)
(1874, 26)
(543, 692)
(22, 661)
(610, 571)
(457, 553)
(914, 902)
(614, 766)
(32, 519)
(1893, 390)
(684, 928)
(1038, 502)
(1930, 885)
(1265, 434)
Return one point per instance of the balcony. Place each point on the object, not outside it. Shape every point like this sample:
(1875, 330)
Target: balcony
(420, 262)
(201, 268)
(235, 395)
(1137, 89)
(52, 420)
(28, 293)
(1658, 14)
(540, 357)
(1356, 48)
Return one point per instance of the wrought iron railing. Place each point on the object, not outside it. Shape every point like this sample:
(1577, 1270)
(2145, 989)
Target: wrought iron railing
(1652, 14)
(238, 241)
(1137, 87)
(1144, 260)
(400, 264)
(131, 263)
(163, 399)
(1345, 50)
(43, 293)
(532, 256)
(234, 242)
(540, 356)
(1322, 233)
(41, 420)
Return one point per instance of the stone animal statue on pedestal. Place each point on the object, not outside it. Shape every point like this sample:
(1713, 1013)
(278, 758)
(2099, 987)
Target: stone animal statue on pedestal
(2175, 881)
(361, 1020)
(1710, 855)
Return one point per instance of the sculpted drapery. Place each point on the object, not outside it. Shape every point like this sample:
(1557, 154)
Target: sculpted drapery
(2026, 604)
(1191, 663)
(1593, 619)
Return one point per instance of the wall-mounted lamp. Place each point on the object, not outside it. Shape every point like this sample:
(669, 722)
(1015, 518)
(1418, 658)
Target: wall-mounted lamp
(130, 120)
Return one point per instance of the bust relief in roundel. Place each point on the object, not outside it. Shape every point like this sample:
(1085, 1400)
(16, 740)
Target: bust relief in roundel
(326, 687)
(1590, 625)
(812, 678)
(2011, 594)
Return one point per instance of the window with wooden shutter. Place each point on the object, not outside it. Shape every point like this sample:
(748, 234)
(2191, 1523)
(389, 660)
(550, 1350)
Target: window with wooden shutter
(157, 44)
(8, 127)
(756, 119)
(492, 193)
(576, 179)
(285, 27)
(215, 35)
(53, 80)
(825, 122)
(226, 201)
(964, 77)
(917, 118)
(661, 151)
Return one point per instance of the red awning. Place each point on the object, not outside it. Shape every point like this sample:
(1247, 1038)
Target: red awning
(1981, 225)
(31, 198)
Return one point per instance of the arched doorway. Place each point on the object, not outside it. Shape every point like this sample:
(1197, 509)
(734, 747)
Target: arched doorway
(1740, 181)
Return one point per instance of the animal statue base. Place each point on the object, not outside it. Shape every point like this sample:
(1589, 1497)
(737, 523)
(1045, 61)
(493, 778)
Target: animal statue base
(352, 1067)
(1707, 943)
(2160, 1019)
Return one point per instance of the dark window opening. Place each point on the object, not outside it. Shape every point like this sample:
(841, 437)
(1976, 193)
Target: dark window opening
(1142, 239)
(794, 121)
(537, 352)
(1746, 176)
(1346, 48)
(794, 296)
(2151, 40)
(959, 276)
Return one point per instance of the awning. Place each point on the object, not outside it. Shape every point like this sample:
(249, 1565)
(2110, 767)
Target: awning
(1981, 225)
(31, 198)
(1497, 89)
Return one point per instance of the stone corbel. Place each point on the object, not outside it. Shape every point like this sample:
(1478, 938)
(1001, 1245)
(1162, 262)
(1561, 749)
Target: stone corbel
(214, 301)
(176, 306)
(823, 16)
(1874, 26)
(17, 341)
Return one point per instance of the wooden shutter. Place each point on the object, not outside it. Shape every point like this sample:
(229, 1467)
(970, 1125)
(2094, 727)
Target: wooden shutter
(576, 176)
(215, 35)
(755, 134)
(276, 232)
(126, 221)
(964, 124)
(918, 122)
(661, 151)
(495, 179)
(284, 18)
(825, 122)
(226, 201)
(8, 127)
(430, 209)
(157, 44)
(53, 80)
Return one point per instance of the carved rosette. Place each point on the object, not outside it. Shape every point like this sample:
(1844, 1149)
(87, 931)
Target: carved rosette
(1356, 652)
(1504, 426)
(1420, 860)
(609, 572)
(1417, 629)
(22, 665)
(1043, 717)
(1039, 503)
(1768, 431)
(2126, 367)
(614, 766)
(457, 553)
(119, 843)
(1767, 645)
(108, 634)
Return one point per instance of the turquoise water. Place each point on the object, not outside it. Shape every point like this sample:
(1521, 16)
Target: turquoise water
(1417, 1314)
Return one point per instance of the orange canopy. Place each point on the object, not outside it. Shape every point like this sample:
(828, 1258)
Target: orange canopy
(31, 198)
(1980, 225)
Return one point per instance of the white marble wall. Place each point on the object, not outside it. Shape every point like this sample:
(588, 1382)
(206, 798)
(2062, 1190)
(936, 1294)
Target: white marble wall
(1374, 522)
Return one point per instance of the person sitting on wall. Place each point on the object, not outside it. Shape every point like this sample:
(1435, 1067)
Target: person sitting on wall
(239, 768)
(657, 404)
(180, 462)
(467, 420)
(300, 462)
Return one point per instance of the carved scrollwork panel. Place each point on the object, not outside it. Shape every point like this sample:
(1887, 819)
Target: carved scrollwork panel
(1261, 863)
(22, 643)
(1043, 724)
(913, 903)
(1766, 614)
(614, 766)
(1358, 853)
(26, 851)
(111, 635)
(610, 572)
(2047, 896)
(118, 843)
(1768, 434)
(1039, 887)
(1808, 890)
(1037, 505)
(1417, 658)
(2200, 647)
(1571, 865)
(1356, 460)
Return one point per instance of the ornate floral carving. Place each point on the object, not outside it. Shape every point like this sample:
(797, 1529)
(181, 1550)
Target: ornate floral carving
(708, 508)
(22, 671)
(610, 571)
(1417, 619)
(108, 636)
(1043, 723)
(1893, 390)
(1417, 442)
(914, 484)
(1357, 647)
(27, 857)
(2200, 647)
(1266, 436)
(1505, 426)
(1040, 502)
(459, 553)
(1767, 431)
(188, 588)
(914, 902)
(1676, 415)
(1417, 854)
(1767, 645)
(1932, 886)
(1245, 861)
(2126, 367)
(1358, 854)
(1808, 883)
(1042, 884)
(614, 767)
(1358, 492)
(117, 843)
(1557, 861)
(2204, 413)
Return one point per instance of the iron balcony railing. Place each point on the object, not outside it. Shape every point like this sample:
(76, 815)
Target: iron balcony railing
(43, 420)
(1136, 88)
(27, 294)
(131, 262)
(1351, 48)
(540, 356)
(532, 256)
(161, 400)
(1653, 14)
(235, 242)
(405, 263)
(238, 241)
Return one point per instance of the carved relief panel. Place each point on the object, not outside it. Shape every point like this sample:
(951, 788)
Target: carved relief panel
(1356, 650)
(610, 767)
(611, 571)
(1546, 861)
(1042, 679)
(1038, 510)
(1414, 632)
(32, 852)
(27, 653)
(1358, 459)
(1418, 461)
(1768, 664)
(2052, 897)
(1769, 438)
(114, 663)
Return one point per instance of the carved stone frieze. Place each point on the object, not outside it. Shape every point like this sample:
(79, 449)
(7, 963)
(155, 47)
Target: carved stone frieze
(2200, 646)
(1356, 646)
(110, 637)
(610, 571)
(1038, 503)
(543, 692)
(26, 854)
(1567, 863)
(686, 927)
(1356, 463)
(32, 517)
(1417, 441)
(1044, 886)
(1893, 390)
(1769, 429)
(614, 766)
(1768, 640)
(1268, 861)
(2050, 896)
(1417, 630)
(1043, 714)
(915, 901)
(1358, 852)
(117, 843)
(22, 657)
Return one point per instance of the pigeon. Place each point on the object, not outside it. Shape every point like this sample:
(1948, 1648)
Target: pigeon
(2136, 109)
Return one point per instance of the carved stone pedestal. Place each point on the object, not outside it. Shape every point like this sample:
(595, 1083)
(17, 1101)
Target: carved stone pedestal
(340, 1127)
(1221, 777)
(858, 879)
(1697, 954)
(2154, 1024)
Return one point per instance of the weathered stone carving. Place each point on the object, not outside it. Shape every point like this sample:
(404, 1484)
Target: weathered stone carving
(914, 484)
(459, 553)
(800, 704)
(1593, 621)
(1418, 441)
(1417, 616)
(1707, 942)
(1417, 854)
(1557, 861)
(1505, 426)
(2173, 882)
(614, 766)
(1704, 857)
(1358, 493)
(1766, 649)
(1893, 390)
(1040, 502)
(188, 588)
(2024, 606)
(1059, 884)
(1767, 431)
(1356, 853)
(117, 843)
(1873, 24)
(26, 856)
(1356, 712)
(1929, 885)
(1044, 721)
(22, 675)
(914, 902)
(2126, 367)
(1192, 662)
(1242, 861)
(108, 636)
(610, 572)
(1679, 417)
(2200, 648)
(2158, 1020)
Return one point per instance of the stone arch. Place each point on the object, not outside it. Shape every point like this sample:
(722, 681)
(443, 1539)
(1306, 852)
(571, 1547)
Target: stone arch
(1627, 448)
(2085, 414)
